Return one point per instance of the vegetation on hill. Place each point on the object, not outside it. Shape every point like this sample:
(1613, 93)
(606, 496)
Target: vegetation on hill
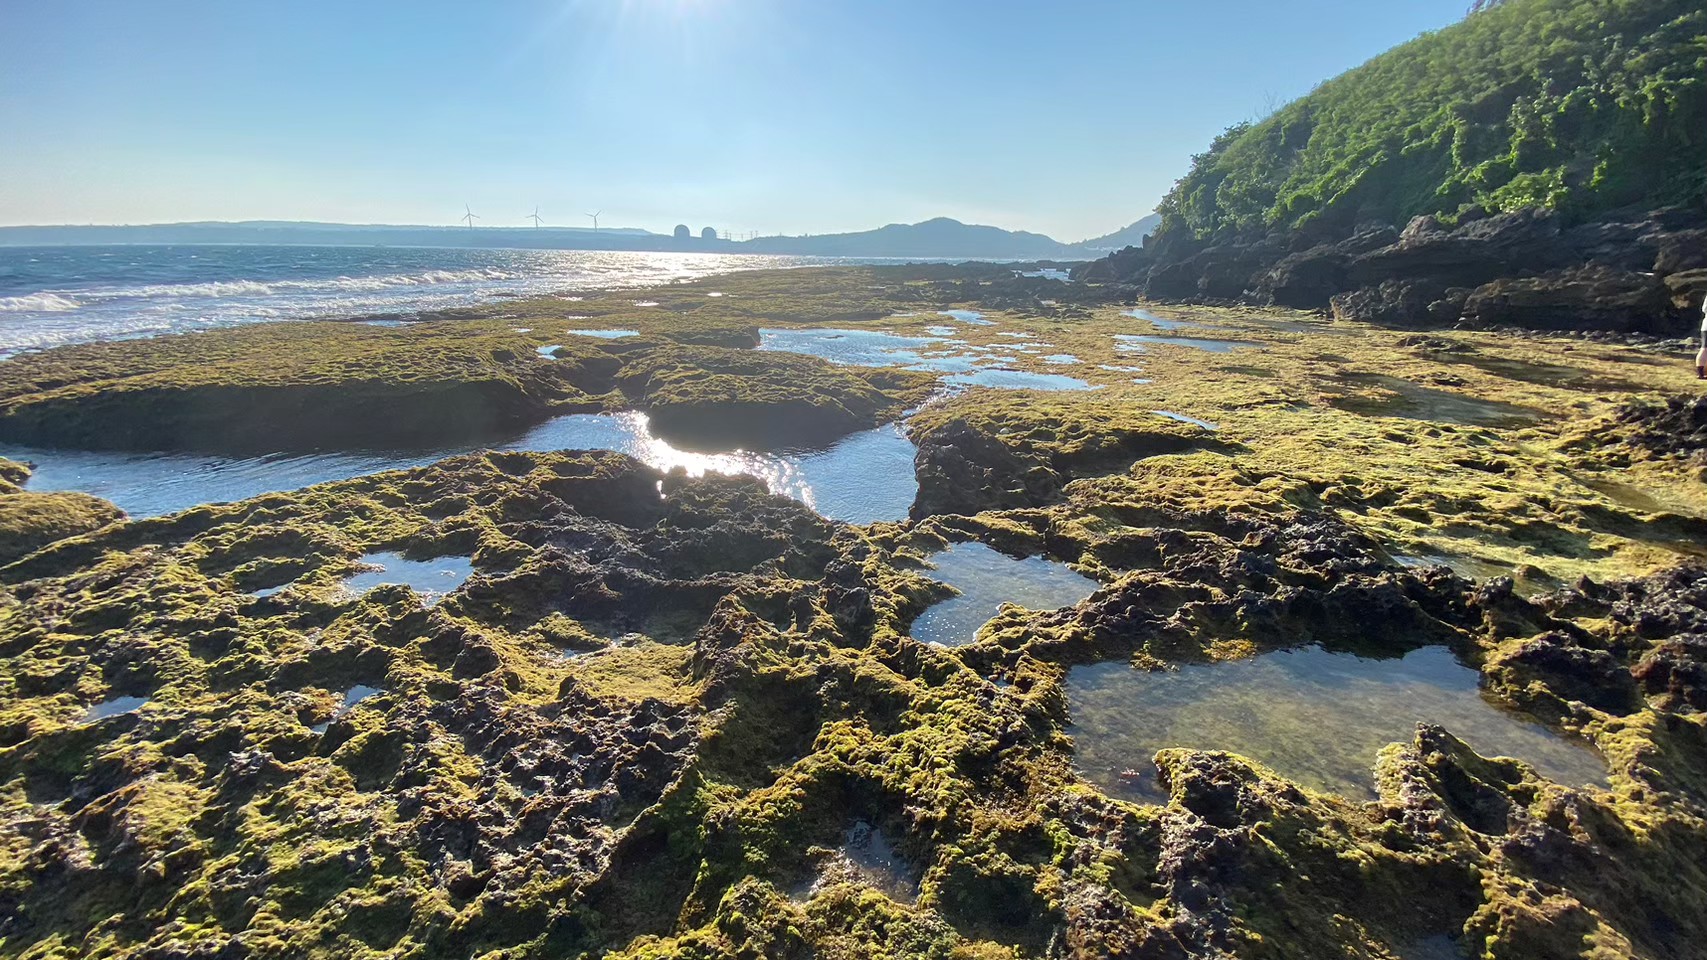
(1580, 106)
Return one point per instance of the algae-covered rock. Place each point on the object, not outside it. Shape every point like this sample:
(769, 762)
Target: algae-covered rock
(679, 716)
(31, 520)
(712, 397)
(293, 386)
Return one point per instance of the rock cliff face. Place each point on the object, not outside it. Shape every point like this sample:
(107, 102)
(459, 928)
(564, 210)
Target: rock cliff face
(1537, 164)
(1639, 273)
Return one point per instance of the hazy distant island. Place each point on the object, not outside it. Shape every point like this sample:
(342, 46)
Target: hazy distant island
(940, 238)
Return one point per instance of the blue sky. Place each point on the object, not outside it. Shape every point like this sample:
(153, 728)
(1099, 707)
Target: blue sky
(782, 116)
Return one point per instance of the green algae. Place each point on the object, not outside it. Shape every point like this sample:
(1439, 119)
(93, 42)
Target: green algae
(747, 694)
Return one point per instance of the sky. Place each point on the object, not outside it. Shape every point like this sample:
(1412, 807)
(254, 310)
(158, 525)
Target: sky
(776, 116)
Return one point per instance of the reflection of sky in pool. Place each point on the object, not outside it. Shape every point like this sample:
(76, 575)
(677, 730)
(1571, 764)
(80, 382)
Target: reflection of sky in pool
(1018, 380)
(1182, 418)
(1136, 343)
(986, 579)
(614, 333)
(862, 478)
(113, 707)
(1311, 715)
(431, 578)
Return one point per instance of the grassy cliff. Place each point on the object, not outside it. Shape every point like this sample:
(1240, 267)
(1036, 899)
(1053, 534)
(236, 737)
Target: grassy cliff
(1581, 106)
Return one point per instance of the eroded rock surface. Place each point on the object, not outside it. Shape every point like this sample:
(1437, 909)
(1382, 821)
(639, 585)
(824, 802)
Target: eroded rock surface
(668, 716)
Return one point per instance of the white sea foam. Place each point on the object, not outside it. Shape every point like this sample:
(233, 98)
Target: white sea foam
(105, 294)
(44, 302)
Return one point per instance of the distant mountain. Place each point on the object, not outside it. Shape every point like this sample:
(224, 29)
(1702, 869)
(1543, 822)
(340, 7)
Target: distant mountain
(938, 238)
(1131, 235)
(941, 238)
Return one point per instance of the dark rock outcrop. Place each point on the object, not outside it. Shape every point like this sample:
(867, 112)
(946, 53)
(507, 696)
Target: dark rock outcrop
(1531, 268)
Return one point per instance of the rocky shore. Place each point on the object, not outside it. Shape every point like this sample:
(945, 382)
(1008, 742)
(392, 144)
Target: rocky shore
(1639, 272)
(669, 715)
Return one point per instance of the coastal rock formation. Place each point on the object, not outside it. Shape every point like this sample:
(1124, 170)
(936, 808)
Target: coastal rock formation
(975, 454)
(1529, 269)
(714, 398)
(319, 385)
(668, 715)
(30, 520)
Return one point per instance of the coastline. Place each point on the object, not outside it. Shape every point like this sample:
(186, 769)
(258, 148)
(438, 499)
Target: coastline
(673, 712)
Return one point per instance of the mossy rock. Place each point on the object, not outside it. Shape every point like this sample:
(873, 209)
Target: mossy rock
(716, 397)
(31, 520)
(290, 386)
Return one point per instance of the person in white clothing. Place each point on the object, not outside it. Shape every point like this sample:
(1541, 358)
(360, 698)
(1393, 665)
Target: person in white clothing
(1701, 355)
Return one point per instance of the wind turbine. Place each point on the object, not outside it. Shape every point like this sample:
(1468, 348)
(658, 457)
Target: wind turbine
(468, 215)
(534, 217)
(595, 217)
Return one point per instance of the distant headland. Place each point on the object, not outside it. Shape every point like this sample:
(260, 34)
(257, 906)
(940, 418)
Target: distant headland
(937, 238)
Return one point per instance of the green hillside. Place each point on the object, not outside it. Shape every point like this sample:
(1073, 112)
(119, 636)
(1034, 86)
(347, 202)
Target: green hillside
(1577, 105)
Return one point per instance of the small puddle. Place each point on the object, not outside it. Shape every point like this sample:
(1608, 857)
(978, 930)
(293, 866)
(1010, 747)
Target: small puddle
(1411, 401)
(860, 348)
(865, 477)
(1138, 343)
(430, 578)
(1160, 323)
(113, 707)
(986, 579)
(1182, 418)
(646, 303)
(549, 351)
(1119, 368)
(940, 331)
(352, 696)
(1061, 359)
(613, 333)
(865, 857)
(972, 317)
(1311, 715)
(1018, 380)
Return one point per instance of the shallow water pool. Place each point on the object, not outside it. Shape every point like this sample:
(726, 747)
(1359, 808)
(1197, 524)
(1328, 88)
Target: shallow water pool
(1160, 323)
(986, 579)
(113, 707)
(1311, 715)
(863, 478)
(1018, 380)
(860, 348)
(1138, 343)
(614, 333)
(1182, 418)
(1413, 401)
(352, 696)
(430, 578)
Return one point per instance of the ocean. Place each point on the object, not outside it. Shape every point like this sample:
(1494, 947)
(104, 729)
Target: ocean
(51, 296)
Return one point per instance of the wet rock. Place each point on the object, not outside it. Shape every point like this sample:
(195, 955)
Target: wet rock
(1593, 297)
(1674, 673)
(1527, 268)
(963, 470)
(1574, 672)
